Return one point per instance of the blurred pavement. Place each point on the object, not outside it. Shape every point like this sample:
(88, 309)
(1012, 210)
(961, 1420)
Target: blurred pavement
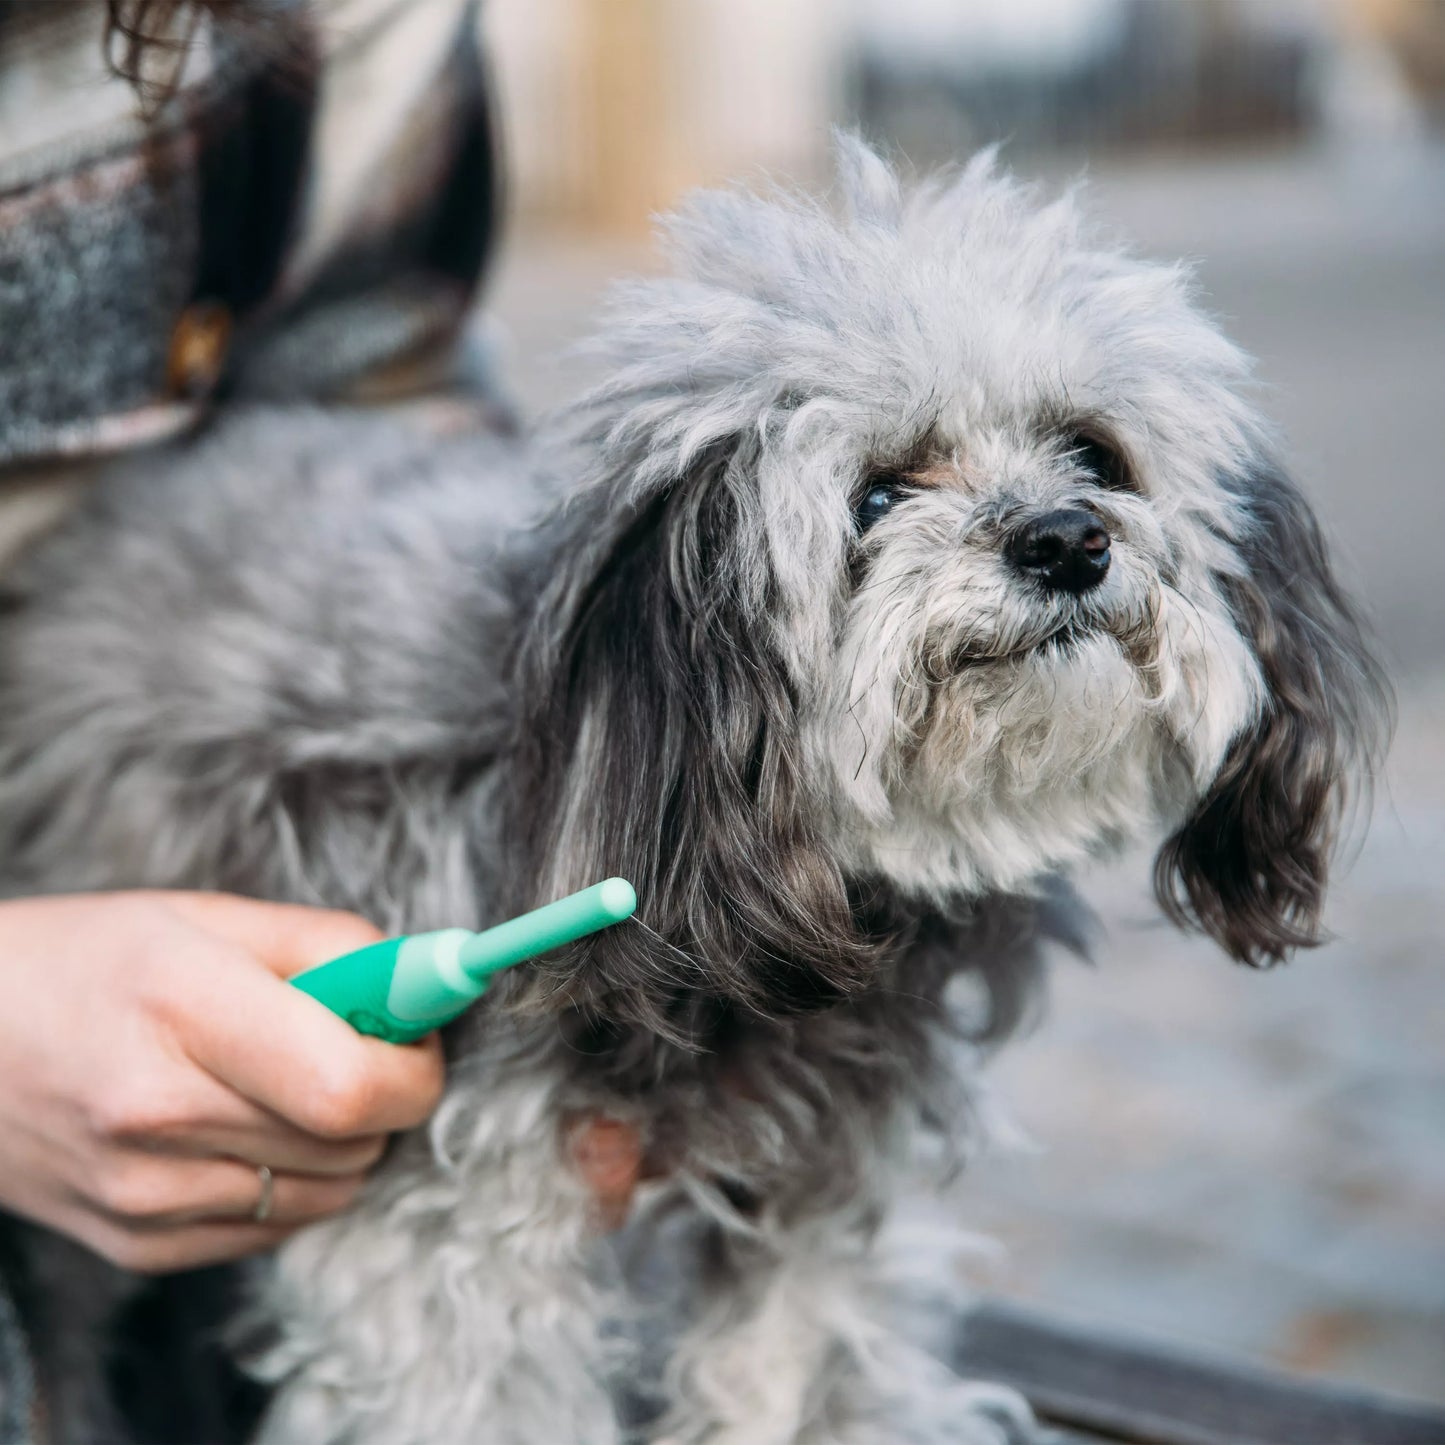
(1249, 1162)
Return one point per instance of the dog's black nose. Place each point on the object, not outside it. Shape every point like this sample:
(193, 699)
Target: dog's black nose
(1067, 549)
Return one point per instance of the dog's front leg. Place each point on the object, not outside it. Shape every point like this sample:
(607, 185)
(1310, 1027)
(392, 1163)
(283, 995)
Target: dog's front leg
(458, 1303)
(800, 1345)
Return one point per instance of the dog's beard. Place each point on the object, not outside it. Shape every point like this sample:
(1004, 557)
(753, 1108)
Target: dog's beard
(982, 732)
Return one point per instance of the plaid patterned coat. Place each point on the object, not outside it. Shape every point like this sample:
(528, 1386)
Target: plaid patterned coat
(306, 217)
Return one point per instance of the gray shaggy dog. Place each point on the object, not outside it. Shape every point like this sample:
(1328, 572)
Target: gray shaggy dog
(910, 555)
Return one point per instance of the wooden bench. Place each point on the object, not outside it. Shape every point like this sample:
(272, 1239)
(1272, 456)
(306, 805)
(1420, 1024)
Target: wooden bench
(1093, 1388)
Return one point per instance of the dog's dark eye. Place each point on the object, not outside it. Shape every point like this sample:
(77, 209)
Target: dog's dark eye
(878, 500)
(1102, 461)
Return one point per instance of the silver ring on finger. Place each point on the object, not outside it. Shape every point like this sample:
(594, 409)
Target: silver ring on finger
(267, 1200)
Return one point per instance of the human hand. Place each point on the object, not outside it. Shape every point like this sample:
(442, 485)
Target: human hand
(150, 1062)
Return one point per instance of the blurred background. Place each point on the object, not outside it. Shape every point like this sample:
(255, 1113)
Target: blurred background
(1254, 1163)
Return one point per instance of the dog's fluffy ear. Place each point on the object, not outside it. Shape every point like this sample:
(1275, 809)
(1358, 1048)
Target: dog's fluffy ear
(1250, 866)
(661, 742)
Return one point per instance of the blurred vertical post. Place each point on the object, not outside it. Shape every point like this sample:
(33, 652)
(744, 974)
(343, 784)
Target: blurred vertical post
(613, 108)
(629, 120)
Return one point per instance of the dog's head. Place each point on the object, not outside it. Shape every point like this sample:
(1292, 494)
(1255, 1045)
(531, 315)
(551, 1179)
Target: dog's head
(932, 541)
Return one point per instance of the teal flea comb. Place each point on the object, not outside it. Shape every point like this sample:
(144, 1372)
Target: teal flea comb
(402, 988)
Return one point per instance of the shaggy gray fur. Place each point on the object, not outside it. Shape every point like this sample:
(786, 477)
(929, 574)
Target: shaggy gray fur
(314, 657)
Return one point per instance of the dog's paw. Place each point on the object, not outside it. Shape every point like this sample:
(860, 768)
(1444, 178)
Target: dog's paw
(966, 1412)
(993, 1415)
